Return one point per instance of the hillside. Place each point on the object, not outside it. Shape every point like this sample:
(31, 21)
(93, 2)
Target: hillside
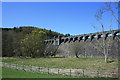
(11, 38)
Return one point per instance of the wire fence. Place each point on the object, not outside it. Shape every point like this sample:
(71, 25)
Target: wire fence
(70, 72)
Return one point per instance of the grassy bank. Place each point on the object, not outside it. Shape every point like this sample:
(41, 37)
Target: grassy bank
(82, 63)
(12, 73)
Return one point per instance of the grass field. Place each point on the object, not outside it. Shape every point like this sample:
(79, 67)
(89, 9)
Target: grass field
(80, 63)
(12, 73)
(0, 72)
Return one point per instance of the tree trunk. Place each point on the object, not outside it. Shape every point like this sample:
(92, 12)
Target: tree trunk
(76, 55)
(104, 45)
(106, 58)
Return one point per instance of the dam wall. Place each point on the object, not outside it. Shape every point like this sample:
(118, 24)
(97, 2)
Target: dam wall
(87, 45)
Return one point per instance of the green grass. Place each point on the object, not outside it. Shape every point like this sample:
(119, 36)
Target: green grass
(0, 72)
(12, 73)
(80, 63)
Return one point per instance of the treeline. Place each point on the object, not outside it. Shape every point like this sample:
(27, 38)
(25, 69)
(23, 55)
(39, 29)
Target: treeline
(26, 41)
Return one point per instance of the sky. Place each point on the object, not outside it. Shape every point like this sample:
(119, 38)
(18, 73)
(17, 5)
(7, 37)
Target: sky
(64, 17)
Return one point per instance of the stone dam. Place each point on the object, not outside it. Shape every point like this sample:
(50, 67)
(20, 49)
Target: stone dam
(86, 45)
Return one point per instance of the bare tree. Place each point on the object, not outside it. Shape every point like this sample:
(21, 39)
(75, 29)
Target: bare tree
(98, 16)
(105, 46)
(78, 48)
(50, 49)
(110, 8)
(75, 47)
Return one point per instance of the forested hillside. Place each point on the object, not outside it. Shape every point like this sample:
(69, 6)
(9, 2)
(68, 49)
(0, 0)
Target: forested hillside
(24, 41)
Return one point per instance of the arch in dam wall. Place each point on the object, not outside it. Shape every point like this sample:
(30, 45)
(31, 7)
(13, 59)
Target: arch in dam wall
(87, 45)
(91, 36)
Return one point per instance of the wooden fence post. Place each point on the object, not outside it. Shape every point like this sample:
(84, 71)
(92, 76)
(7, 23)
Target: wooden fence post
(3, 64)
(97, 73)
(16, 66)
(39, 69)
(48, 70)
(23, 66)
(9, 65)
(83, 72)
(58, 70)
(70, 72)
(31, 68)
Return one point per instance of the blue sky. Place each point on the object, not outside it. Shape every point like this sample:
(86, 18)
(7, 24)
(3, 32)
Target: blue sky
(63, 17)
